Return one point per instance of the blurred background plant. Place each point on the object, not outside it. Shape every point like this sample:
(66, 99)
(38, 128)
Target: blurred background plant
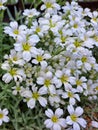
(30, 1)
(87, 0)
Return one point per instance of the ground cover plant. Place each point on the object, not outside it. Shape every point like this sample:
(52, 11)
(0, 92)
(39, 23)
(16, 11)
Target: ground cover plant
(49, 68)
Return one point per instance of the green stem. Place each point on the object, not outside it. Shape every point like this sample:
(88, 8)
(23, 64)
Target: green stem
(1, 16)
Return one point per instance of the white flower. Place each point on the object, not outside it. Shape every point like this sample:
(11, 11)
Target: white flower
(28, 68)
(13, 73)
(30, 13)
(81, 83)
(26, 93)
(87, 39)
(47, 83)
(70, 7)
(17, 89)
(29, 81)
(26, 46)
(94, 124)
(94, 18)
(63, 77)
(86, 12)
(40, 57)
(36, 95)
(54, 24)
(90, 88)
(3, 116)
(2, 2)
(58, 61)
(14, 30)
(74, 119)
(76, 24)
(55, 122)
(63, 37)
(85, 60)
(71, 94)
(54, 99)
(15, 58)
(50, 6)
(37, 28)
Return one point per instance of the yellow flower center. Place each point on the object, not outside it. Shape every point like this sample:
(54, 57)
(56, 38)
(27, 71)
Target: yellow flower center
(13, 71)
(18, 88)
(63, 39)
(30, 81)
(1, 115)
(60, 32)
(94, 19)
(64, 78)
(96, 38)
(39, 58)
(52, 24)
(73, 117)
(48, 5)
(77, 43)
(15, 58)
(1, 4)
(75, 26)
(38, 30)
(35, 95)
(54, 119)
(68, 59)
(78, 82)
(16, 32)
(47, 82)
(96, 88)
(27, 99)
(30, 15)
(26, 47)
(70, 94)
(84, 59)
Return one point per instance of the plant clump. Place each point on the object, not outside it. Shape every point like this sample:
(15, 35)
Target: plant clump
(51, 67)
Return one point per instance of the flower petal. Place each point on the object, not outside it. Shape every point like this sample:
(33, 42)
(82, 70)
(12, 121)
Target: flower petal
(70, 109)
(79, 111)
(76, 126)
(6, 119)
(5, 111)
(49, 113)
(59, 112)
(62, 122)
(94, 124)
(82, 122)
(56, 127)
(26, 55)
(48, 123)
(42, 101)
(31, 103)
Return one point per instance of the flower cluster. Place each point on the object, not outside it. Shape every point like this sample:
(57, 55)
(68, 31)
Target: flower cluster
(52, 63)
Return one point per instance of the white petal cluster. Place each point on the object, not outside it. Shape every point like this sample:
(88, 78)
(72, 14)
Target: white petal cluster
(3, 116)
(52, 62)
(74, 119)
(2, 6)
(55, 122)
(50, 6)
(94, 124)
(14, 30)
(30, 13)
